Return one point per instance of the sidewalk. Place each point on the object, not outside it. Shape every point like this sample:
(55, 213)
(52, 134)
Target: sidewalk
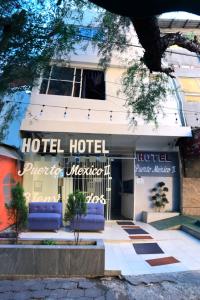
(182, 285)
(121, 255)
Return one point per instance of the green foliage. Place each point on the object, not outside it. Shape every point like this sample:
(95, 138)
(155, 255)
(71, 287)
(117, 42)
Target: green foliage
(190, 35)
(144, 91)
(18, 208)
(30, 31)
(48, 242)
(9, 111)
(159, 198)
(112, 35)
(76, 207)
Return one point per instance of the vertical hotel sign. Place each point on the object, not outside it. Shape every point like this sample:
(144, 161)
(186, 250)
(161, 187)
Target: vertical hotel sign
(164, 164)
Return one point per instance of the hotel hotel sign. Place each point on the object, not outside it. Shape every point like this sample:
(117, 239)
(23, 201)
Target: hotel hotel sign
(156, 164)
(54, 146)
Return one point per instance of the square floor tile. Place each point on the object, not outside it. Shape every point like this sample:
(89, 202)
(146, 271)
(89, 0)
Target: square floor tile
(162, 261)
(140, 237)
(125, 223)
(147, 248)
(130, 226)
(136, 231)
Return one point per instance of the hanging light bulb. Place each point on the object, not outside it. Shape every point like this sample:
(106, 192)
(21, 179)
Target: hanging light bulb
(197, 118)
(89, 114)
(176, 119)
(65, 113)
(41, 112)
(111, 115)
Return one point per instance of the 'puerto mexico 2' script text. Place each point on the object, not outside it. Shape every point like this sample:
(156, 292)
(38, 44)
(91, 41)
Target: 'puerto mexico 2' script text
(56, 171)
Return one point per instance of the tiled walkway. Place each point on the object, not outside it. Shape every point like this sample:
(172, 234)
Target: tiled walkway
(121, 255)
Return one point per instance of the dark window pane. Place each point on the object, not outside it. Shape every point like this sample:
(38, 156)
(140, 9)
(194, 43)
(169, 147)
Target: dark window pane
(7, 194)
(46, 72)
(7, 198)
(6, 190)
(76, 89)
(60, 88)
(93, 85)
(43, 87)
(88, 33)
(62, 73)
(78, 75)
(6, 179)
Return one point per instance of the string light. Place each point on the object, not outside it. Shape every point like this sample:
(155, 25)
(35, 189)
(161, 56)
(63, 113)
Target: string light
(197, 118)
(176, 119)
(111, 115)
(195, 113)
(89, 113)
(41, 112)
(65, 113)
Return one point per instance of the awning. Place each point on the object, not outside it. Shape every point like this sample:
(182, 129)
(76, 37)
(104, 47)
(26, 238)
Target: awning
(9, 152)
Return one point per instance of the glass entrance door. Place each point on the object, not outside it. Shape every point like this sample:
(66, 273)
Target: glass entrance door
(91, 175)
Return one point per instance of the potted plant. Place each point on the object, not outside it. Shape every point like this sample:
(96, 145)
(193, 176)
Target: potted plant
(18, 209)
(75, 208)
(159, 198)
(53, 257)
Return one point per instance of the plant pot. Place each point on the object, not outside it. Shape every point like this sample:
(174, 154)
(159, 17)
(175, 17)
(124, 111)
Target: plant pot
(151, 216)
(61, 260)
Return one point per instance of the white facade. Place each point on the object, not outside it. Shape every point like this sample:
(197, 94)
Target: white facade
(102, 119)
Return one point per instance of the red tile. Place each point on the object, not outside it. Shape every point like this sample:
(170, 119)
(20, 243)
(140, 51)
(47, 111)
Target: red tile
(130, 226)
(162, 261)
(140, 237)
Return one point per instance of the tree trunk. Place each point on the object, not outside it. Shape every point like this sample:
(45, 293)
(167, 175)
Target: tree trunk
(155, 46)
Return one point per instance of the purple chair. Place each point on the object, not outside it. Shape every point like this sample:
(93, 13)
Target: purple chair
(93, 220)
(45, 215)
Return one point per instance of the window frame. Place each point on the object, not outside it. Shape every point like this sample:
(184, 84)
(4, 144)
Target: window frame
(74, 81)
(10, 184)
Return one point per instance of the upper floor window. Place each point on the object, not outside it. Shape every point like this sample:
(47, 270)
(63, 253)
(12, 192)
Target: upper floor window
(191, 88)
(73, 82)
(89, 32)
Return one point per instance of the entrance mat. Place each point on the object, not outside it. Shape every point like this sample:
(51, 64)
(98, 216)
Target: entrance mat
(135, 231)
(130, 226)
(140, 237)
(125, 223)
(162, 261)
(147, 248)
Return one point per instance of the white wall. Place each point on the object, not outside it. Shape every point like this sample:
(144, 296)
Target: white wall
(77, 112)
(143, 187)
(114, 102)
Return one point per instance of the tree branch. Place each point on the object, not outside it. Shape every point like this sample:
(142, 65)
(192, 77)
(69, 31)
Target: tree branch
(155, 46)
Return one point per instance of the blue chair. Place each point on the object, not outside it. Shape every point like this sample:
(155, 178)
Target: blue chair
(93, 220)
(45, 215)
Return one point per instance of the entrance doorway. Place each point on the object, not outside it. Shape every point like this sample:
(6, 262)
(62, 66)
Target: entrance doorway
(116, 189)
(122, 188)
(92, 176)
(115, 186)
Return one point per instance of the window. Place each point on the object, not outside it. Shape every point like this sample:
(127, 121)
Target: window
(191, 88)
(73, 82)
(8, 183)
(89, 32)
